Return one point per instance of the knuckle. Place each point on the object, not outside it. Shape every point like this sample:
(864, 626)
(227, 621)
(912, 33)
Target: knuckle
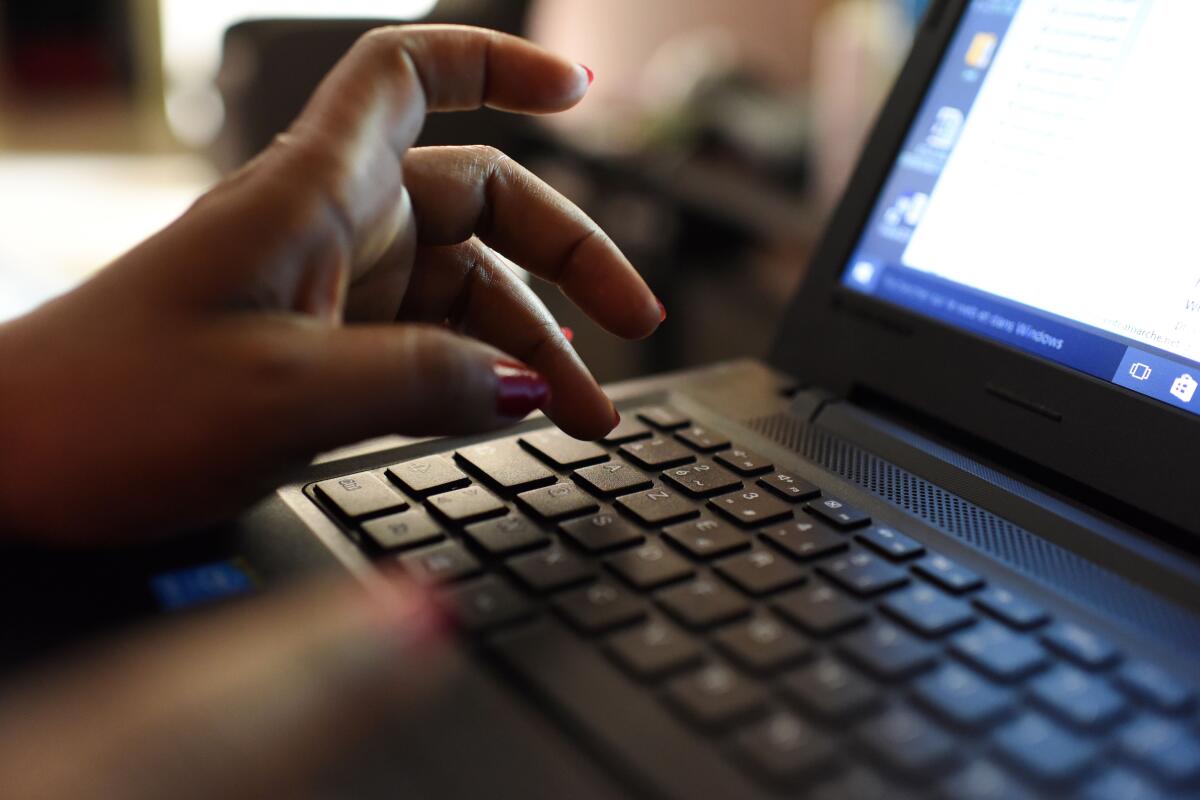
(381, 48)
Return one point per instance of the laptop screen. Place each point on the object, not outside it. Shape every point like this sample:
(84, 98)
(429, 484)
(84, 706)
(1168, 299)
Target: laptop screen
(1047, 195)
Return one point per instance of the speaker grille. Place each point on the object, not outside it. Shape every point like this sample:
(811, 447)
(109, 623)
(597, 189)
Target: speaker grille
(1060, 569)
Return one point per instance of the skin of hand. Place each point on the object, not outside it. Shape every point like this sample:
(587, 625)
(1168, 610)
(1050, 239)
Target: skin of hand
(338, 287)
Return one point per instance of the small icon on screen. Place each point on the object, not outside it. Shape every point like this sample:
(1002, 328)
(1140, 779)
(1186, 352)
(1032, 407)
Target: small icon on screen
(863, 273)
(907, 210)
(1184, 387)
(1139, 371)
(983, 47)
(945, 129)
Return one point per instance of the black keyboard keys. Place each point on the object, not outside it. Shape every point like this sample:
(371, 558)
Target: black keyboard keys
(760, 571)
(706, 537)
(627, 430)
(762, 644)
(891, 542)
(600, 607)
(551, 569)
(702, 603)
(928, 611)
(612, 478)
(506, 465)
(744, 462)
(805, 539)
(701, 479)
(1076, 697)
(751, 508)
(505, 535)
(558, 501)
(1011, 608)
(963, 697)
(650, 566)
(831, 689)
(908, 742)
(790, 487)
(1084, 647)
(702, 439)
(597, 533)
(664, 417)
(784, 749)
(819, 609)
(657, 453)
(563, 451)
(466, 505)
(1042, 749)
(658, 506)
(716, 697)
(999, 652)
(950, 575)
(863, 573)
(425, 476)
(488, 603)
(887, 651)
(401, 531)
(441, 563)
(360, 495)
(837, 513)
(1165, 747)
(654, 649)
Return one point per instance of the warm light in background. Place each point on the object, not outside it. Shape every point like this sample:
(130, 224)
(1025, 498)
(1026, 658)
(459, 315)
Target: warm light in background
(191, 37)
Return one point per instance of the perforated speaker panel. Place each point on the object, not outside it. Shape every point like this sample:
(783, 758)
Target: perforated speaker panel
(1019, 548)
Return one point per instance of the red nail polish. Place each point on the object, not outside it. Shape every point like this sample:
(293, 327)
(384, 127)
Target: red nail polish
(591, 75)
(568, 334)
(519, 390)
(662, 310)
(616, 418)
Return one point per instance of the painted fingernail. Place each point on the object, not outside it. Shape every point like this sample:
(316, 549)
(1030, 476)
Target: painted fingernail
(519, 390)
(590, 75)
(616, 418)
(568, 334)
(662, 311)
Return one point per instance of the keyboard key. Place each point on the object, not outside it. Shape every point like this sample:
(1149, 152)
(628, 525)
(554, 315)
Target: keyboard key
(466, 505)
(360, 495)
(1084, 647)
(702, 479)
(1162, 746)
(949, 575)
(891, 542)
(784, 749)
(654, 650)
(488, 603)
(886, 651)
(441, 563)
(908, 742)
(558, 501)
(505, 465)
(762, 644)
(707, 537)
(429, 475)
(612, 478)
(1011, 609)
(859, 783)
(831, 689)
(837, 513)
(863, 573)
(961, 696)
(650, 566)
(702, 603)
(716, 697)
(928, 611)
(1077, 697)
(1118, 783)
(999, 652)
(805, 539)
(505, 535)
(657, 453)
(1154, 686)
(1042, 749)
(702, 439)
(759, 571)
(819, 609)
(551, 569)
(627, 430)
(601, 532)
(981, 779)
(744, 462)
(790, 487)
(751, 508)
(600, 607)
(401, 531)
(658, 506)
(564, 452)
(664, 417)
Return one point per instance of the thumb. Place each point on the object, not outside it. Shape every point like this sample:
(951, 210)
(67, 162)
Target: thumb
(244, 701)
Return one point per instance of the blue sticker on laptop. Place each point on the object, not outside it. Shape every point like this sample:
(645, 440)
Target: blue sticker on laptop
(199, 585)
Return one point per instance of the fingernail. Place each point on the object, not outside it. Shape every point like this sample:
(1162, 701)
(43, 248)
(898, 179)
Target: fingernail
(591, 76)
(662, 311)
(568, 334)
(616, 418)
(519, 390)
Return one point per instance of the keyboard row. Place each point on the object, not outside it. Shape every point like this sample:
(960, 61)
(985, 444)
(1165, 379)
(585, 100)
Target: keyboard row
(770, 615)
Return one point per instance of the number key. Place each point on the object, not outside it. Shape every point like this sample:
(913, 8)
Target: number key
(702, 439)
(751, 508)
(657, 453)
(789, 487)
(744, 462)
(702, 479)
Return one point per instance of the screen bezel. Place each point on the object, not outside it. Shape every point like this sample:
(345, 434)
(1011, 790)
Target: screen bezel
(1090, 432)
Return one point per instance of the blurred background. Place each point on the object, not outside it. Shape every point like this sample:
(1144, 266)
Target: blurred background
(712, 146)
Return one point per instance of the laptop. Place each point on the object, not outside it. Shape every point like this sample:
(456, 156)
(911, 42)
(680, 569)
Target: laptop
(943, 543)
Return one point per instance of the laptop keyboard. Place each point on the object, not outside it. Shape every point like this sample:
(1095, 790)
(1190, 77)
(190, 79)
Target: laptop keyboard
(792, 634)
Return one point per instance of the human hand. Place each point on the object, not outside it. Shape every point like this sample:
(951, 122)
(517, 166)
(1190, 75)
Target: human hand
(202, 368)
